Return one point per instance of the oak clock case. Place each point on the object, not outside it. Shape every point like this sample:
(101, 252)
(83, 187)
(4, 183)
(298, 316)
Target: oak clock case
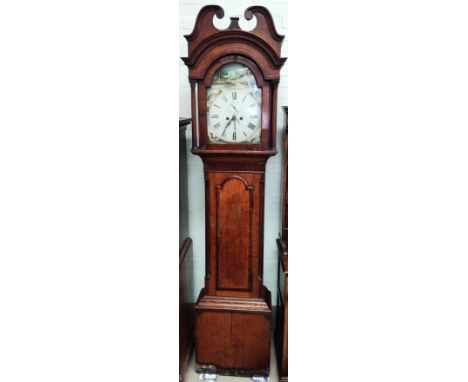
(234, 77)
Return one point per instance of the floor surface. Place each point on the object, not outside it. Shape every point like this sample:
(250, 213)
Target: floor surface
(192, 376)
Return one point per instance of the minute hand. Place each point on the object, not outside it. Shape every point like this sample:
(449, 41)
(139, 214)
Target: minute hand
(227, 125)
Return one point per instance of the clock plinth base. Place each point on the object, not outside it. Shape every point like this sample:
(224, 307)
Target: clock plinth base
(232, 334)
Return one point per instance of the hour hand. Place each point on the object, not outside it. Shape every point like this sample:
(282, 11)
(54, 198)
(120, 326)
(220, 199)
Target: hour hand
(232, 119)
(233, 107)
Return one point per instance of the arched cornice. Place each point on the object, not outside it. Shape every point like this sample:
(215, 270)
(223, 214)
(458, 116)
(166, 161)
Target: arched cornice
(222, 37)
(206, 39)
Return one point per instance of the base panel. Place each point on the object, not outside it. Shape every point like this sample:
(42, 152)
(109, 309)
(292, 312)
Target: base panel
(232, 335)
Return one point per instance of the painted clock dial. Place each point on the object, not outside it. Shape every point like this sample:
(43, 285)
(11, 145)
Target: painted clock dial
(234, 106)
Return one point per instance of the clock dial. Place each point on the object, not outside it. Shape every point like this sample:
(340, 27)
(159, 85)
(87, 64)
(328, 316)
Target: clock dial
(234, 106)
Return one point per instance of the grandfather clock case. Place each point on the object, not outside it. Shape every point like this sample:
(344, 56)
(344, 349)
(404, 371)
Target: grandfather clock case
(234, 76)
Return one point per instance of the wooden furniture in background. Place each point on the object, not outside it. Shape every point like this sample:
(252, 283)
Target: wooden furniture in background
(235, 136)
(185, 260)
(183, 185)
(281, 332)
(185, 307)
(284, 200)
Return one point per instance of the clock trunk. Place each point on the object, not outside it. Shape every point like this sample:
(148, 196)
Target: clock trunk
(233, 312)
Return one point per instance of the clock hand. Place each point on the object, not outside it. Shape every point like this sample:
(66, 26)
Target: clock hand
(224, 131)
(233, 107)
(232, 119)
(227, 125)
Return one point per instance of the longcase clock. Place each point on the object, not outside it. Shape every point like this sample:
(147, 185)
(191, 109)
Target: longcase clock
(234, 77)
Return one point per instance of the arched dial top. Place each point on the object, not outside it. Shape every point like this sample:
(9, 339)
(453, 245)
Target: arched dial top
(234, 106)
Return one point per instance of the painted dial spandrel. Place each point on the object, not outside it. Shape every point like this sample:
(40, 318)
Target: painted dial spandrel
(234, 103)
